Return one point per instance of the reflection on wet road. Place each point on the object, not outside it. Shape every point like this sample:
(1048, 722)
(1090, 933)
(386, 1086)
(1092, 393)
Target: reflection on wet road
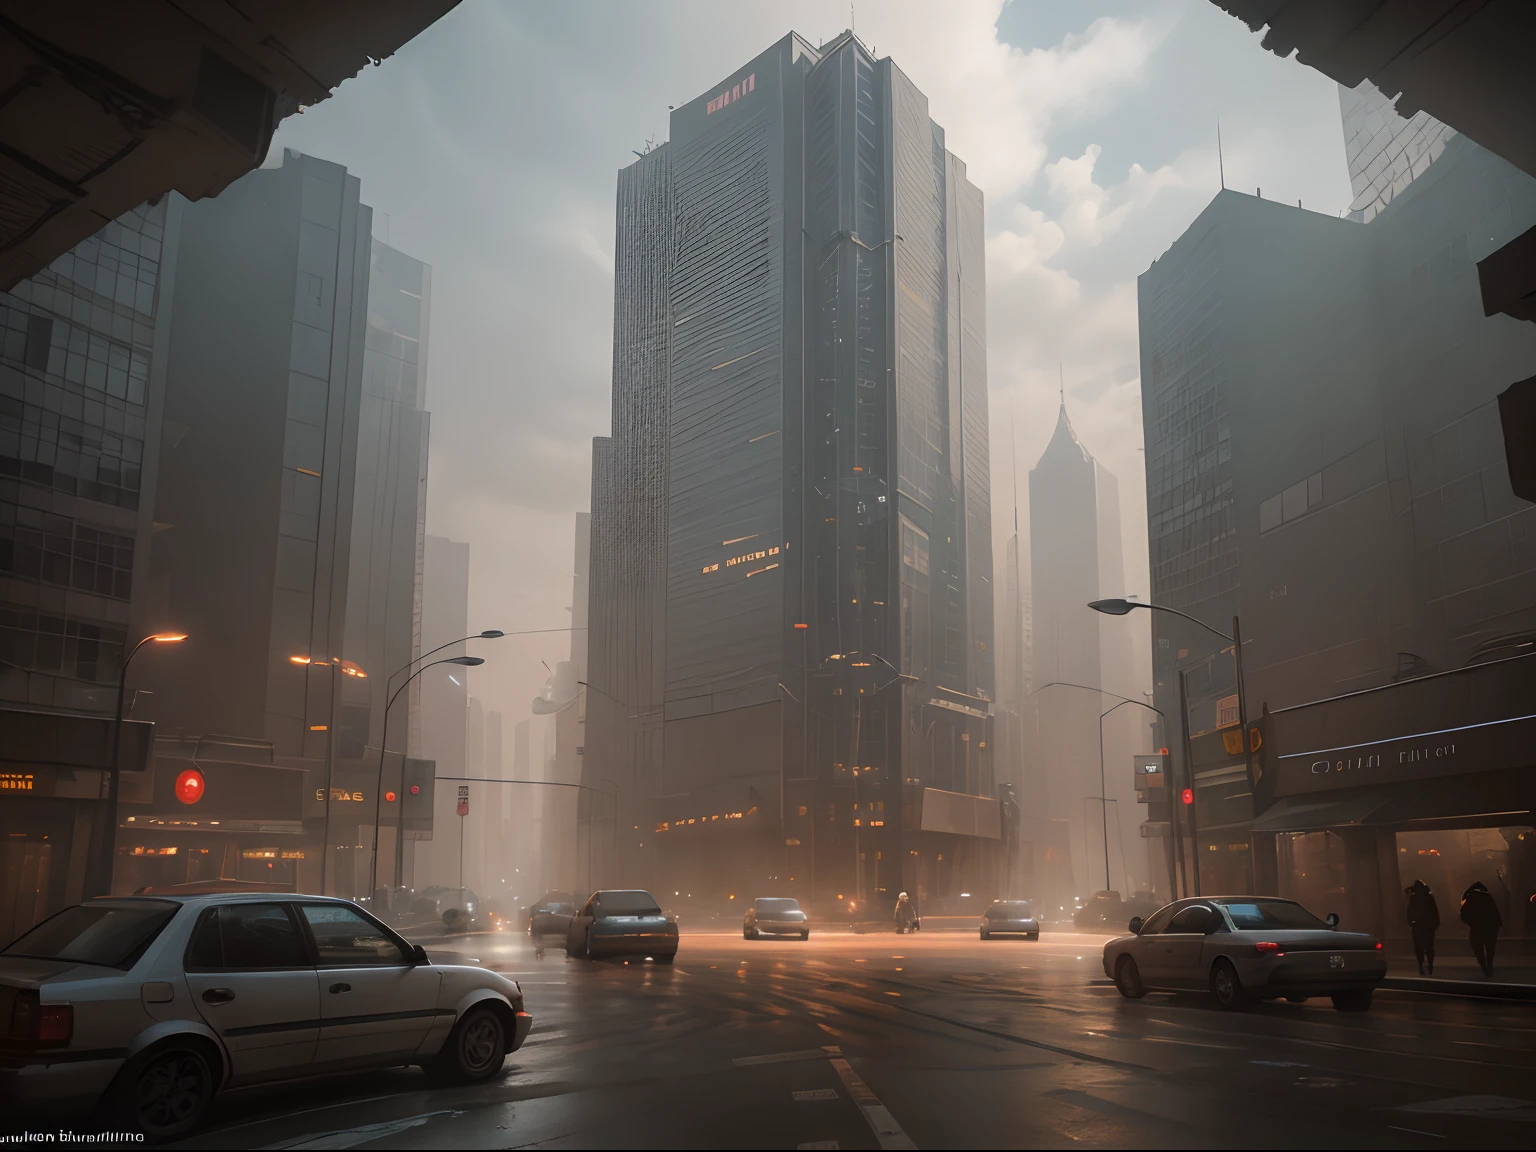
(932, 1041)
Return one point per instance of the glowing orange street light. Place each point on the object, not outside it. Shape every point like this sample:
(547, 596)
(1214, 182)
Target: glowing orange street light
(169, 637)
(299, 660)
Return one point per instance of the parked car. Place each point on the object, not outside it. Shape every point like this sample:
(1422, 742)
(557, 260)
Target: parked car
(775, 916)
(1244, 948)
(1009, 918)
(622, 923)
(147, 1006)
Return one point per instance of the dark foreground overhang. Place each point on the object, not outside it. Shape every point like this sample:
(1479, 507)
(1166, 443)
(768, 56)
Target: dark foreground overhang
(104, 106)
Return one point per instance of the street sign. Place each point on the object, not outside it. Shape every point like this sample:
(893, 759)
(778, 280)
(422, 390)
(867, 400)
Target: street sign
(463, 791)
(463, 807)
(463, 799)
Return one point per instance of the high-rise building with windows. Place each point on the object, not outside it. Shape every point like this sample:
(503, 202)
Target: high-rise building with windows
(791, 546)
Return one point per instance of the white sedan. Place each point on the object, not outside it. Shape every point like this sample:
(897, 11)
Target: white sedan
(147, 1006)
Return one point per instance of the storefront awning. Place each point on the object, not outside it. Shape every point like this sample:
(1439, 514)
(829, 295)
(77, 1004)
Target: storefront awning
(1307, 814)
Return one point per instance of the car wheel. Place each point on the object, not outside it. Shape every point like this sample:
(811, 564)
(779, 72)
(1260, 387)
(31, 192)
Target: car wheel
(806, 935)
(665, 959)
(1296, 999)
(476, 1048)
(164, 1093)
(746, 934)
(1128, 979)
(1034, 935)
(588, 947)
(1225, 985)
(1355, 1000)
(985, 935)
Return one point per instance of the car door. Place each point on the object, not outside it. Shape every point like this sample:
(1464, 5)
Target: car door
(1146, 947)
(250, 975)
(576, 934)
(376, 1003)
(1182, 942)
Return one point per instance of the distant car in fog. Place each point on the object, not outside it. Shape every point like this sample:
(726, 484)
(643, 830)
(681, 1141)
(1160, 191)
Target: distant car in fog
(1245, 948)
(622, 923)
(1009, 918)
(775, 916)
(143, 1008)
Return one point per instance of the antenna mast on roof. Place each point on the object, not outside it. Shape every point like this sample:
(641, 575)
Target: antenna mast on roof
(1221, 165)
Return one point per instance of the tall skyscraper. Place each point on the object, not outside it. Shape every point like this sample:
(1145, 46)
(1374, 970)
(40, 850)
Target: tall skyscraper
(1384, 152)
(389, 508)
(445, 700)
(800, 415)
(1075, 556)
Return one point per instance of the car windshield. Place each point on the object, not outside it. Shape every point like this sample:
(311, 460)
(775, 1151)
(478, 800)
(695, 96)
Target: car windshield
(1280, 914)
(627, 904)
(114, 936)
(774, 906)
(557, 909)
(1008, 910)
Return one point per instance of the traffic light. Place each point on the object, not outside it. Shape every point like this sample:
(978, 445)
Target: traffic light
(1188, 796)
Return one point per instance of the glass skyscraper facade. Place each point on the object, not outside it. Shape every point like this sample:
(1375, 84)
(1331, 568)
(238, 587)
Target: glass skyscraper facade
(791, 549)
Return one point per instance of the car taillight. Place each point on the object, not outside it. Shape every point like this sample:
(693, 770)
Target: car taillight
(57, 1025)
(24, 1013)
(1268, 948)
(1378, 945)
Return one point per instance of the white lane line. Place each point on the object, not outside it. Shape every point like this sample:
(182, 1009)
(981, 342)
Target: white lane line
(351, 1137)
(815, 1094)
(881, 1122)
(781, 1057)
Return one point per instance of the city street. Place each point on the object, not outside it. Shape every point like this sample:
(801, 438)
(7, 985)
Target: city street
(937, 1040)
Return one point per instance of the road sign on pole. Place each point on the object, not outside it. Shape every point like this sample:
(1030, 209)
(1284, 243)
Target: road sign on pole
(463, 799)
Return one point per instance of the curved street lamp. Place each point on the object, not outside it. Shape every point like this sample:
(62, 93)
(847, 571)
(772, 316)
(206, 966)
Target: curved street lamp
(102, 882)
(378, 795)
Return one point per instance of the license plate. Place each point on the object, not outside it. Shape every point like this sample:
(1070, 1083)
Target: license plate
(1335, 961)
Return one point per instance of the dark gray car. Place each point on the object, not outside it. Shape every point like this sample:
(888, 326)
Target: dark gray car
(1010, 918)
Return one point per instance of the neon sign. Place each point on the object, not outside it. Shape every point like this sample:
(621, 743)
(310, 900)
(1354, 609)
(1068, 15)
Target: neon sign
(730, 95)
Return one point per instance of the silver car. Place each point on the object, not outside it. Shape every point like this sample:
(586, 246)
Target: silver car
(1009, 918)
(147, 1006)
(775, 916)
(1244, 948)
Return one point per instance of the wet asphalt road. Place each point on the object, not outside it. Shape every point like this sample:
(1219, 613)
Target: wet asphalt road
(936, 1040)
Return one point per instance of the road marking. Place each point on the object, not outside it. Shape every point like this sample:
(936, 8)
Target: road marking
(881, 1122)
(781, 1057)
(815, 1094)
(1394, 1127)
(351, 1137)
(1503, 1107)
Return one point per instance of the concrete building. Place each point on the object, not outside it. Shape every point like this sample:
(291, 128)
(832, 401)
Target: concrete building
(1075, 556)
(82, 385)
(1324, 457)
(800, 414)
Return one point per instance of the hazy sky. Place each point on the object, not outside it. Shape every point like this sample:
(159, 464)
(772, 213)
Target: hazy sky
(489, 148)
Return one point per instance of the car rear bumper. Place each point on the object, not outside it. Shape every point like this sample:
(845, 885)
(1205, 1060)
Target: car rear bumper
(782, 927)
(1312, 975)
(1011, 928)
(59, 1082)
(634, 944)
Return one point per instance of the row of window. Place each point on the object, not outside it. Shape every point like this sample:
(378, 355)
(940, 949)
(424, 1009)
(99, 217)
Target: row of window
(72, 648)
(68, 455)
(37, 545)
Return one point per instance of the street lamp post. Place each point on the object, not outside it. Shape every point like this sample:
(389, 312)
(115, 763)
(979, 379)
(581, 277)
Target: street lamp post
(378, 797)
(102, 881)
(1120, 607)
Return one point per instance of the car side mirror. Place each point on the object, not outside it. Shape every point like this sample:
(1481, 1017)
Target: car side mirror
(419, 955)
(1332, 920)
(1136, 924)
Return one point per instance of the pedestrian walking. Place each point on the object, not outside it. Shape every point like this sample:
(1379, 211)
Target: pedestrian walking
(1423, 922)
(1481, 916)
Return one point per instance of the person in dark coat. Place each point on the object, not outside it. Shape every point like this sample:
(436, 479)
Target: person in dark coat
(1481, 916)
(1423, 921)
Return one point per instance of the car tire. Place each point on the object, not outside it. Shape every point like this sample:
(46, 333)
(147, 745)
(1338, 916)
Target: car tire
(476, 1048)
(667, 958)
(983, 934)
(806, 935)
(1355, 1000)
(163, 1093)
(746, 934)
(1034, 935)
(1128, 979)
(1296, 999)
(1226, 987)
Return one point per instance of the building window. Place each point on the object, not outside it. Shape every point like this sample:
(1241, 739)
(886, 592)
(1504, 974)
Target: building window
(75, 649)
(36, 545)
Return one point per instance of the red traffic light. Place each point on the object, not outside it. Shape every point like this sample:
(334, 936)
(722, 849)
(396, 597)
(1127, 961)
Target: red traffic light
(389, 797)
(415, 789)
(189, 786)
(1188, 795)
